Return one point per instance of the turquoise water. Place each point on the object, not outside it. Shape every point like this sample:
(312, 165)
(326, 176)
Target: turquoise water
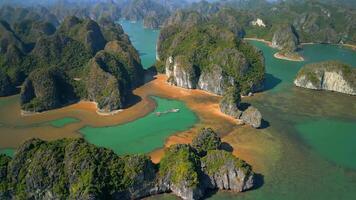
(336, 140)
(146, 134)
(144, 40)
(317, 130)
(281, 73)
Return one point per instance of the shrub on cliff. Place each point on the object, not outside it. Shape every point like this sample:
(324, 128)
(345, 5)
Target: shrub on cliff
(206, 140)
(180, 166)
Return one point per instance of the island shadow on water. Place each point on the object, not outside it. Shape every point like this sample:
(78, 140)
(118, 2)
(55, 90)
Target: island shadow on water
(271, 82)
(258, 181)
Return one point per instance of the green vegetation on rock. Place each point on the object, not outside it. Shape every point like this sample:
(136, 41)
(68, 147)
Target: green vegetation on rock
(206, 140)
(54, 65)
(75, 169)
(209, 46)
(216, 161)
(328, 75)
(230, 102)
(180, 164)
(45, 89)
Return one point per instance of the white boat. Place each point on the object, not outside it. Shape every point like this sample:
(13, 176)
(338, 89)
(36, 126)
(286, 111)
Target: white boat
(173, 110)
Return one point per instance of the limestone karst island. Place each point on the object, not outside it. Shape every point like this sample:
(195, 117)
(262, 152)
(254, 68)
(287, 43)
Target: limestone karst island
(177, 99)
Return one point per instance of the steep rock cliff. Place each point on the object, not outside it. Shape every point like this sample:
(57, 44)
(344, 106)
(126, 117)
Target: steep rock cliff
(331, 75)
(285, 39)
(227, 172)
(181, 72)
(219, 59)
(252, 116)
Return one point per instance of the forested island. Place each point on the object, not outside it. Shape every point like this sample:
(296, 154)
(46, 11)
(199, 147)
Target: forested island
(79, 60)
(73, 168)
(56, 54)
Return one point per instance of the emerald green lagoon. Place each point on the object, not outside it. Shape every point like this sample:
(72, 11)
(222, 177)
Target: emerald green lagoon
(143, 39)
(146, 134)
(339, 136)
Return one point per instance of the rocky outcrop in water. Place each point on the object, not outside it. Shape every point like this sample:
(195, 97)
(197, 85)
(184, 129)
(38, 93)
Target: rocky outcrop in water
(226, 172)
(332, 76)
(252, 116)
(230, 105)
(190, 175)
(75, 169)
(113, 73)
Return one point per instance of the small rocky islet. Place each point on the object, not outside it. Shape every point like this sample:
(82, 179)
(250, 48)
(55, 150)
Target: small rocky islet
(73, 168)
(330, 76)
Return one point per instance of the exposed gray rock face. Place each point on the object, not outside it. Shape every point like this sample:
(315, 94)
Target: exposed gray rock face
(186, 192)
(227, 175)
(286, 39)
(181, 72)
(230, 102)
(331, 76)
(252, 116)
(230, 109)
(214, 80)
